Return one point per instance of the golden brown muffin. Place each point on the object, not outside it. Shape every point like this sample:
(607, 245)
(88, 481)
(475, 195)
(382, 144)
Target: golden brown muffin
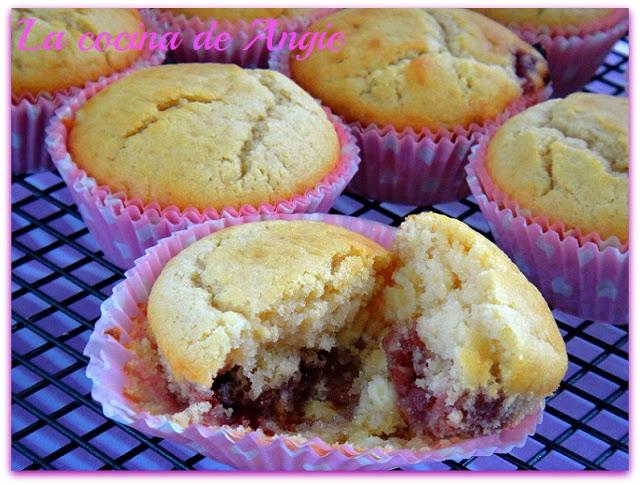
(260, 318)
(545, 17)
(48, 71)
(204, 136)
(235, 14)
(310, 329)
(567, 159)
(420, 68)
(473, 347)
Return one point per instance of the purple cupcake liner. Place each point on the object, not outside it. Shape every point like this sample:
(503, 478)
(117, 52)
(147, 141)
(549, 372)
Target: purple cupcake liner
(124, 227)
(242, 32)
(240, 447)
(580, 275)
(407, 167)
(574, 54)
(30, 116)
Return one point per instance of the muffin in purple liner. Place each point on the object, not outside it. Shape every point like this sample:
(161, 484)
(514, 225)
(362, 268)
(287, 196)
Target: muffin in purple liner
(553, 183)
(575, 41)
(339, 396)
(418, 87)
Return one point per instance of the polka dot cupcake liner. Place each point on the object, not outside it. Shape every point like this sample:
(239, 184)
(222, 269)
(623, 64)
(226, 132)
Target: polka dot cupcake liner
(242, 32)
(241, 447)
(575, 53)
(124, 227)
(30, 116)
(580, 274)
(407, 167)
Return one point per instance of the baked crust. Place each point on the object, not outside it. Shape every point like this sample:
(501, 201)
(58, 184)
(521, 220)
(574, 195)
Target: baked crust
(253, 295)
(49, 71)
(568, 160)
(204, 136)
(419, 68)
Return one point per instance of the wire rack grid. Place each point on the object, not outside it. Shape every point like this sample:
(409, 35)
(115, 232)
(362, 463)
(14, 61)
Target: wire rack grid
(59, 279)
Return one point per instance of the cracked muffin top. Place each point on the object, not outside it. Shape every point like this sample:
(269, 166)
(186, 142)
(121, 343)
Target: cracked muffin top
(254, 295)
(568, 160)
(40, 71)
(204, 136)
(420, 68)
(545, 17)
(235, 14)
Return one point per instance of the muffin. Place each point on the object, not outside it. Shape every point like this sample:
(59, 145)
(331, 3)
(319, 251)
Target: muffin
(41, 71)
(469, 333)
(311, 330)
(204, 136)
(418, 85)
(568, 160)
(243, 25)
(187, 143)
(546, 17)
(41, 79)
(575, 40)
(414, 68)
(271, 321)
(553, 183)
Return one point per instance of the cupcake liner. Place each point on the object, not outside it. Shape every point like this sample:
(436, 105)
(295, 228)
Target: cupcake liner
(407, 167)
(240, 447)
(242, 32)
(31, 114)
(575, 53)
(577, 273)
(124, 227)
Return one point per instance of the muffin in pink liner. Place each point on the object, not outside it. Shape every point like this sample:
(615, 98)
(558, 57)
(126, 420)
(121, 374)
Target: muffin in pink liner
(575, 41)
(579, 272)
(237, 446)
(32, 111)
(124, 225)
(243, 25)
(422, 112)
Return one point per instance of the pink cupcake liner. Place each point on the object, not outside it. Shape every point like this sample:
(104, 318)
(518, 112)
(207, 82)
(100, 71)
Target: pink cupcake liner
(413, 168)
(577, 273)
(30, 116)
(241, 32)
(124, 227)
(575, 53)
(240, 447)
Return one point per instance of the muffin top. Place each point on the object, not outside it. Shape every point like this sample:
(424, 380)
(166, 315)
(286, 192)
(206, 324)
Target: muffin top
(255, 295)
(204, 136)
(545, 17)
(419, 68)
(483, 325)
(48, 71)
(235, 14)
(568, 160)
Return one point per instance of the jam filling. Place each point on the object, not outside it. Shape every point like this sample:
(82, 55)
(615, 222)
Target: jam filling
(427, 413)
(324, 375)
(527, 70)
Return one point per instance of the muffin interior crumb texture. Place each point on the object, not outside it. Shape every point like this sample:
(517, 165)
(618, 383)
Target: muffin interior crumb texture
(312, 330)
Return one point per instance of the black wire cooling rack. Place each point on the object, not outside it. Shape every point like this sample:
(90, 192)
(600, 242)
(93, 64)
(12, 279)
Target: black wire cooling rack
(59, 279)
